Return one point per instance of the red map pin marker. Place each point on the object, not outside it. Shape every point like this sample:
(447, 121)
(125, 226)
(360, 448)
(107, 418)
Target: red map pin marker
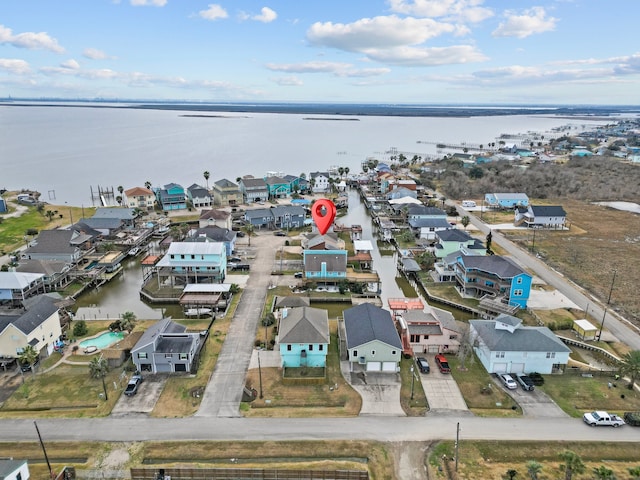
(323, 213)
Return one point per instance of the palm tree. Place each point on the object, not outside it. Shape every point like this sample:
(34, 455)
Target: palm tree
(119, 199)
(50, 214)
(631, 366)
(98, 367)
(248, 229)
(341, 171)
(128, 321)
(29, 356)
(346, 171)
(572, 464)
(533, 469)
(603, 473)
(206, 176)
(511, 473)
(147, 185)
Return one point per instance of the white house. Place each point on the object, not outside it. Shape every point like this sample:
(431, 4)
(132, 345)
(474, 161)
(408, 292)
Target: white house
(504, 345)
(320, 181)
(14, 469)
(538, 216)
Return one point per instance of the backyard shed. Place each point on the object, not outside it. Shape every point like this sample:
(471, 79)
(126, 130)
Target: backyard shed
(584, 329)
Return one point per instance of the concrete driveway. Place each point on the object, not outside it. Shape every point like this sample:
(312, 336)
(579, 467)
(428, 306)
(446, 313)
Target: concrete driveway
(535, 403)
(380, 392)
(144, 400)
(441, 389)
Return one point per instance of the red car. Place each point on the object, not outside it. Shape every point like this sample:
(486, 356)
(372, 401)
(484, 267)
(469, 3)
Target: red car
(442, 363)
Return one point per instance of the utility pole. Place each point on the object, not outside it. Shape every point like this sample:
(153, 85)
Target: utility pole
(457, 443)
(412, 379)
(607, 305)
(44, 450)
(260, 374)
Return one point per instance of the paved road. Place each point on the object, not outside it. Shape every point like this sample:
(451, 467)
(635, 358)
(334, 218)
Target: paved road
(223, 394)
(618, 326)
(389, 429)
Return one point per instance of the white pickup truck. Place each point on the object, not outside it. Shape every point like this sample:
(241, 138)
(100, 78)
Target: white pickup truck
(598, 418)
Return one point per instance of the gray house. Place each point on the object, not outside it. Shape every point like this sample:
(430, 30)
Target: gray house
(167, 347)
(199, 196)
(254, 189)
(373, 343)
(286, 216)
(57, 245)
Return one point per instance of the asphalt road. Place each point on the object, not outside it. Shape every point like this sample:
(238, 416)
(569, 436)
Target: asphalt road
(618, 326)
(387, 429)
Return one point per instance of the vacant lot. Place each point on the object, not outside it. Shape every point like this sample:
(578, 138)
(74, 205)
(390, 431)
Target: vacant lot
(600, 241)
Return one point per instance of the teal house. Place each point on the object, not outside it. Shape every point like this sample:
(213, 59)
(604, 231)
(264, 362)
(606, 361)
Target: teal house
(278, 187)
(325, 265)
(171, 197)
(304, 337)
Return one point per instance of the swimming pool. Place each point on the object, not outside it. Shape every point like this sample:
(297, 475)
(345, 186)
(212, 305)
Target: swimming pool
(103, 341)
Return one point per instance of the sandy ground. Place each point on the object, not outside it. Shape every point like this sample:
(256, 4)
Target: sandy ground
(545, 300)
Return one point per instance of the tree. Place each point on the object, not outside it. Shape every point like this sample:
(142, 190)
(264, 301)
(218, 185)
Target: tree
(50, 214)
(488, 243)
(206, 176)
(80, 328)
(128, 321)
(511, 473)
(28, 356)
(465, 221)
(98, 367)
(119, 199)
(346, 171)
(572, 464)
(635, 473)
(631, 366)
(248, 229)
(147, 185)
(341, 171)
(533, 469)
(603, 473)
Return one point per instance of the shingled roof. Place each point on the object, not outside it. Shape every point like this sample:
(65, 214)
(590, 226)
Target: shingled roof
(366, 323)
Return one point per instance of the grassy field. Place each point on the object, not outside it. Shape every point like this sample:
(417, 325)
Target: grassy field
(491, 460)
(600, 241)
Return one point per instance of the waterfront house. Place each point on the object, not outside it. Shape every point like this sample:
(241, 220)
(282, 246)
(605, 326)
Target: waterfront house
(166, 347)
(452, 240)
(541, 216)
(319, 182)
(372, 341)
(193, 262)
(57, 245)
(426, 228)
(253, 189)
(431, 330)
(38, 326)
(400, 192)
(415, 212)
(303, 337)
(16, 287)
(260, 218)
(56, 274)
(171, 197)
(140, 197)
(296, 184)
(126, 216)
(226, 193)
(504, 345)
(214, 234)
(277, 187)
(199, 196)
(506, 200)
(215, 217)
(501, 284)
(326, 266)
(288, 216)
(316, 241)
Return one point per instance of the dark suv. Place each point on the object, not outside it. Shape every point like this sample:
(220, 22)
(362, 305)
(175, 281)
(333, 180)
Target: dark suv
(525, 382)
(423, 365)
(132, 386)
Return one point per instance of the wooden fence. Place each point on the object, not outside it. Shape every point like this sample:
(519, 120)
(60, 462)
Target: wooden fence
(244, 474)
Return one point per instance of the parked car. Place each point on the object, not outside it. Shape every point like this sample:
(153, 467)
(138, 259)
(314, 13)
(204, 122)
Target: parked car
(234, 260)
(298, 274)
(443, 365)
(280, 233)
(26, 367)
(601, 418)
(525, 382)
(508, 381)
(132, 387)
(423, 365)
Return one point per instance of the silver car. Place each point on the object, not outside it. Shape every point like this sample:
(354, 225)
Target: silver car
(508, 381)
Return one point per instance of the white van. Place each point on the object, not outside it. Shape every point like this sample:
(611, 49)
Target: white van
(468, 203)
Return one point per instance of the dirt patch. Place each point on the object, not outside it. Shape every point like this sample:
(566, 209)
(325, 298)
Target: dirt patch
(409, 460)
(9, 382)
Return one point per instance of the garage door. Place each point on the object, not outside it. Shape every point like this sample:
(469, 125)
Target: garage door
(499, 368)
(517, 368)
(374, 366)
(388, 366)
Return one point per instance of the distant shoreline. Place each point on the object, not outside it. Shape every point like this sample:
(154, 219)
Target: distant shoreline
(594, 112)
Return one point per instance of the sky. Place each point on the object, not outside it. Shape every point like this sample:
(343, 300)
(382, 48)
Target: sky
(354, 51)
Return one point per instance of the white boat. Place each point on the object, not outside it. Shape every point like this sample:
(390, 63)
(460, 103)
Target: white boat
(90, 349)
(197, 312)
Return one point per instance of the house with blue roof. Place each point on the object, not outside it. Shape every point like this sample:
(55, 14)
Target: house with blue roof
(303, 337)
(504, 345)
(506, 200)
(494, 278)
(373, 343)
(171, 197)
(193, 262)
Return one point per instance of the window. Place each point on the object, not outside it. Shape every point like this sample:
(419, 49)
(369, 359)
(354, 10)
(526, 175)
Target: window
(172, 256)
(181, 257)
(517, 293)
(321, 347)
(426, 337)
(182, 356)
(551, 354)
(373, 352)
(168, 355)
(289, 348)
(355, 353)
(519, 280)
(415, 338)
(310, 348)
(193, 257)
(499, 354)
(142, 355)
(393, 352)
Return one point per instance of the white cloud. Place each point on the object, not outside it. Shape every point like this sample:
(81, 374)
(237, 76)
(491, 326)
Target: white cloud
(364, 72)
(378, 32)
(70, 64)
(148, 3)
(214, 12)
(266, 15)
(425, 57)
(309, 67)
(288, 81)
(461, 10)
(532, 21)
(94, 54)
(14, 65)
(30, 40)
